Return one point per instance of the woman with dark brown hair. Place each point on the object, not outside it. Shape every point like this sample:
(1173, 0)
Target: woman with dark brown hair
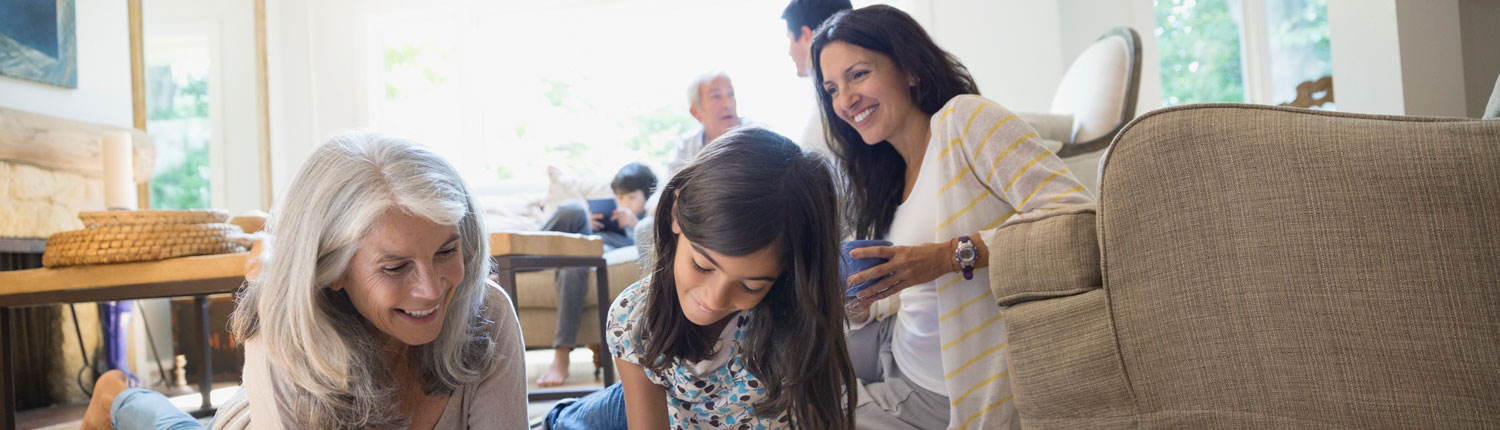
(931, 166)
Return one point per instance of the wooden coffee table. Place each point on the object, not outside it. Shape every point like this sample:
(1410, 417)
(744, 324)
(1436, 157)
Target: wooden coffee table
(196, 276)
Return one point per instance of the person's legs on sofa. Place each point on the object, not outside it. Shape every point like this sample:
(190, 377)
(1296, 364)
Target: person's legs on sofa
(571, 283)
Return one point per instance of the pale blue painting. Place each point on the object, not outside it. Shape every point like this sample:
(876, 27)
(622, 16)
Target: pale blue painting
(38, 42)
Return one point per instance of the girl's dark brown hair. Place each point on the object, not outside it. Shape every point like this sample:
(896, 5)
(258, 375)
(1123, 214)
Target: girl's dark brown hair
(877, 173)
(748, 190)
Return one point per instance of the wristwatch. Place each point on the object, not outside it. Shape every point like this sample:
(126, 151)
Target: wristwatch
(966, 254)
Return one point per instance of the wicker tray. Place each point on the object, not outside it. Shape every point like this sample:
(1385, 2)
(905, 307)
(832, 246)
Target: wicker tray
(197, 216)
(120, 237)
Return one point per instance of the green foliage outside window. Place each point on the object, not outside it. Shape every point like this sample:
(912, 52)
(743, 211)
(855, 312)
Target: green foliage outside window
(177, 118)
(1199, 45)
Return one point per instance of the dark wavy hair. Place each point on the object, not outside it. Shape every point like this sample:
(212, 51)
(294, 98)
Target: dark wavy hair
(748, 190)
(877, 173)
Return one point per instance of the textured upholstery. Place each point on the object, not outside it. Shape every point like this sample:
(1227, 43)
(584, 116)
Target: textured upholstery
(1268, 267)
(1052, 255)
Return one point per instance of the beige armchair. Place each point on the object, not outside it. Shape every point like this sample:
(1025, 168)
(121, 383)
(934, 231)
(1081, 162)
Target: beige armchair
(1263, 267)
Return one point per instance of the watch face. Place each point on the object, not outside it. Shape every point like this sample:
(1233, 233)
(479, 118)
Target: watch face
(966, 253)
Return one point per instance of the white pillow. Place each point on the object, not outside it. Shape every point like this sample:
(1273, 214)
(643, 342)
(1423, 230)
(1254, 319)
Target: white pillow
(563, 186)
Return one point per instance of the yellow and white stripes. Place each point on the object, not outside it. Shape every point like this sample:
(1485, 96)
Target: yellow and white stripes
(1019, 177)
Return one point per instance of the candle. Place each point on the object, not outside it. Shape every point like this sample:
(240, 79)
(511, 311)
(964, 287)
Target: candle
(119, 187)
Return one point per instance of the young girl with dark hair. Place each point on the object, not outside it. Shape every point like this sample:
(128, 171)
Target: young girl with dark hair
(931, 165)
(740, 323)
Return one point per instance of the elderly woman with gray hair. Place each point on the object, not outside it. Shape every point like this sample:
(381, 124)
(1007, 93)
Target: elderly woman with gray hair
(373, 312)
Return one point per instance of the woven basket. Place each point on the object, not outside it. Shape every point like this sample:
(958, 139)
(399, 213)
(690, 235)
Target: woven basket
(129, 236)
(196, 216)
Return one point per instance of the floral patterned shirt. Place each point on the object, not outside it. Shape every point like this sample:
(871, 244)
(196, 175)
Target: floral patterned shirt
(717, 393)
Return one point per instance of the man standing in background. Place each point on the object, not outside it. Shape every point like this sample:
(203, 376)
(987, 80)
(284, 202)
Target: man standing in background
(802, 19)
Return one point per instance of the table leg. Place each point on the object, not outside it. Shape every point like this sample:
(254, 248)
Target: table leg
(602, 273)
(7, 385)
(206, 362)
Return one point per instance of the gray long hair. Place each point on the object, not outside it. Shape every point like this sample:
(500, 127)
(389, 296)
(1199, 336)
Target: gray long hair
(325, 363)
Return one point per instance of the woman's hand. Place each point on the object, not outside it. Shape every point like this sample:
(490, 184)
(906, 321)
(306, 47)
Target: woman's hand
(907, 266)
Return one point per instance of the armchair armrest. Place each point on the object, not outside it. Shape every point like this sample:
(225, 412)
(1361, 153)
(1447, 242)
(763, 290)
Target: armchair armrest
(1055, 254)
(545, 243)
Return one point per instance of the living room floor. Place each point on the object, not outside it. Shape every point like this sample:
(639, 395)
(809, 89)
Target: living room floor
(580, 376)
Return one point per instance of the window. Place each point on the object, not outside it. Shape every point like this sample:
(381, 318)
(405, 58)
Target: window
(177, 105)
(1254, 51)
(504, 90)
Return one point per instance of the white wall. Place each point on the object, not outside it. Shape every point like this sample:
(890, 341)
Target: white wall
(1010, 46)
(316, 70)
(1405, 57)
(1480, 30)
(1432, 73)
(103, 93)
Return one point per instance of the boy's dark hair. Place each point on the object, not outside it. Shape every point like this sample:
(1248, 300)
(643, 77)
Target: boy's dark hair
(749, 190)
(876, 173)
(810, 13)
(634, 177)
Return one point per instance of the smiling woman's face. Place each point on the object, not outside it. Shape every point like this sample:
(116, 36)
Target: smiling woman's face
(711, 286)
(868, 91)
(403, 274)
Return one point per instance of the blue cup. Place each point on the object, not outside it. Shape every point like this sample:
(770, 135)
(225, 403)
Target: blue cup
(849, 265)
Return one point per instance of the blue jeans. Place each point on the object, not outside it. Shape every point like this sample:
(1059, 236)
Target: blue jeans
(139, 408)
(600, 410)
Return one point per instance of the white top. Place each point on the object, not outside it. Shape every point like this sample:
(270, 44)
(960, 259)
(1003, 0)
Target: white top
(989, 167)
(917, 334)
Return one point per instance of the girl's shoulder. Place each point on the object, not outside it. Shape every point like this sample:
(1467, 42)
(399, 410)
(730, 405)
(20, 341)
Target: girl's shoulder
(623, 328)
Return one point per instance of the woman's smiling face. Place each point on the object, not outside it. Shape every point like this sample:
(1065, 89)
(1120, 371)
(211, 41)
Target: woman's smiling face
(868, 91)
(403, 274)
(711, 286)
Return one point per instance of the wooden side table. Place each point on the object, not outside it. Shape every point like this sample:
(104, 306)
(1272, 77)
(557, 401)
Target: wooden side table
(196, 276)
(515, 252)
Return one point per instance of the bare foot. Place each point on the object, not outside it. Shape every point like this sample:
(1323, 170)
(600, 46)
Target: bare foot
(109, 384)
(557, 373)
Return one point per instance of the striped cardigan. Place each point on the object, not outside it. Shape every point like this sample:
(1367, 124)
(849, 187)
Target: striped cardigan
(992, 167)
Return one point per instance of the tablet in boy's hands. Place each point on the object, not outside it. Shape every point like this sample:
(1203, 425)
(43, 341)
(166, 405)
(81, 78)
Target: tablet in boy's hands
(605, 207)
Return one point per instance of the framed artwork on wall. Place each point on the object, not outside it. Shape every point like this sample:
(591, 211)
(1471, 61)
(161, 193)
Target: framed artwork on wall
(38, 41)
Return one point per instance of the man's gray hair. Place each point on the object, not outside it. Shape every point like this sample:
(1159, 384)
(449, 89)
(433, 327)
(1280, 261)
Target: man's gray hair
(328, 372)
(695, 91)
